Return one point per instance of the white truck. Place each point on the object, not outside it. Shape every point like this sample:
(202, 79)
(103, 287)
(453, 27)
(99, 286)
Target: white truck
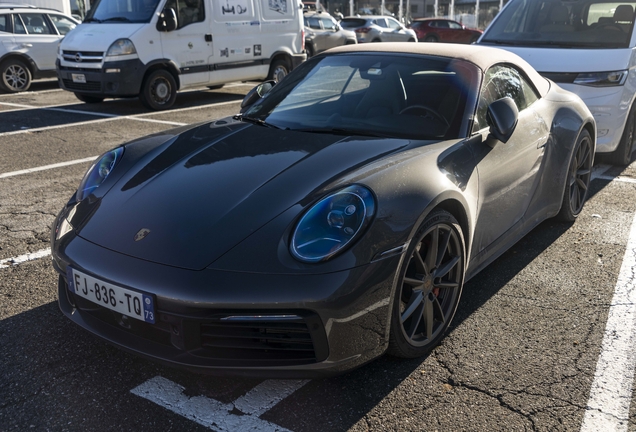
(153, 48)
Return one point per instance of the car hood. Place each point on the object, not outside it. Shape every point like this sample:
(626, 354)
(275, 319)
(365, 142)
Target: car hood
(98, 37)
(206, 190)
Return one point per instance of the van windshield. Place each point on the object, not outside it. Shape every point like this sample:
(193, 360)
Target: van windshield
(123, 11)
(567, 24)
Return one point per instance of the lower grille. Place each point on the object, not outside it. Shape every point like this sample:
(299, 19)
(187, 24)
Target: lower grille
(87, 86)
(272, 341)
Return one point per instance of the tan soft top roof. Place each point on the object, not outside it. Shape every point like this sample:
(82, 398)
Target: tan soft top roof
(482, 56)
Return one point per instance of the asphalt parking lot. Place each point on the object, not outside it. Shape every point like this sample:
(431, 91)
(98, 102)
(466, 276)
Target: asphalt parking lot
(542, 340)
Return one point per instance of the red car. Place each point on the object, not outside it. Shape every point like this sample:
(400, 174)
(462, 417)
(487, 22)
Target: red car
(444, 30)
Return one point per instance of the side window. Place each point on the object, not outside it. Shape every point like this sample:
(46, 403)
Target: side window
(380, 22)
(314, 23)
(454, 25)
(328, 24)
(190, 11)
(393, 24)
(36, 24)
(63, 24)
(4, 23)
(442, 24)
(503, 81)
(18, 26)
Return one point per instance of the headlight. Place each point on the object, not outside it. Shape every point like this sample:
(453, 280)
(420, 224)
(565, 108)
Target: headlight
(332, 223)
(602, 79)
(121, 47)
(98, 172)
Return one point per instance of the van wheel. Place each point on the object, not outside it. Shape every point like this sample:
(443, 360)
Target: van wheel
(159, 90)
(278, 70)
(15, 76)
(216, 87)
(310, 51)
(622, 156)
(89, 99)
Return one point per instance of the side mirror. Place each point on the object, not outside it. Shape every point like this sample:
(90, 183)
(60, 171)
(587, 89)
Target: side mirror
(502, 118)
(256, 94)
(337, 27)
(167, 21)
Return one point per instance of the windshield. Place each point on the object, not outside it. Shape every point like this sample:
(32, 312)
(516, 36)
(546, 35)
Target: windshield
(568, 24)
(376, 94)
(125, 11)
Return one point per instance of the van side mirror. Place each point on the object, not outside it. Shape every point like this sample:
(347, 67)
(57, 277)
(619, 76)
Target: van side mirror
(502, 117)
(167, 21)
(256, 94)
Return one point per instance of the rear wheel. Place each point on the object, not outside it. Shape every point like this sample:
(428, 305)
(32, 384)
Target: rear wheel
(159, 90)
(623, 154)
(429, 288)
(15, 76)
(216, 87)
(278, 70)
(89, 99)
(431, 39)
(411, 40)
(310, 51)
(578, 179)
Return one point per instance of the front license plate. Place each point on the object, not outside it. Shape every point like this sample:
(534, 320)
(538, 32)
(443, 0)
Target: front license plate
(127, 302)
(79, 78)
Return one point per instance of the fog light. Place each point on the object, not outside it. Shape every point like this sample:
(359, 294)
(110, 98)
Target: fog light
(113, 70)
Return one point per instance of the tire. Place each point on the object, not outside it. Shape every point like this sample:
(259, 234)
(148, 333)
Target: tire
(431, 39)
(310, 51)
(411, 40)
(376, 40)
(622, 156)
(578, 179)
(159, 90)
(278, 70)
(15, 76)
(89, 99)
(429, 288)
(216, 87)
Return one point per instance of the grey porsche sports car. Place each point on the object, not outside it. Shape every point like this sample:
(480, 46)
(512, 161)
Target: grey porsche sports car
(336, 218)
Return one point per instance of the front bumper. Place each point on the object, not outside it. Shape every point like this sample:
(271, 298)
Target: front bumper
(325, 323)
(126, 82)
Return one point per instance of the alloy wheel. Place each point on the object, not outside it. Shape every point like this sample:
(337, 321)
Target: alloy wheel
(580, 175)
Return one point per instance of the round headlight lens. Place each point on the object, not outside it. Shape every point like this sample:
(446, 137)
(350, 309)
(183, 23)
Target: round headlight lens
(332, 223)
(98, 172)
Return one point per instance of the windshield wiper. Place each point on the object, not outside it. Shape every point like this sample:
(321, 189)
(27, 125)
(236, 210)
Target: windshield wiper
(258, 122)
(87, 20)
(122, 19)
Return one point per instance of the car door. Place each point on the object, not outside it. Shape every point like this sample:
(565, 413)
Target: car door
(397, 32)
(320, 36)
(382, 29)
(6, 37)
(456, 33)
(333, 37)
(36, 36)
(508, 172)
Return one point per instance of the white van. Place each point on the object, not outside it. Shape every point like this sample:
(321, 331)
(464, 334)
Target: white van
(152, 48)
(587, 47)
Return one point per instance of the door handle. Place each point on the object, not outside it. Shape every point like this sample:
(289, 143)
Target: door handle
(208, 38)
(26, 45)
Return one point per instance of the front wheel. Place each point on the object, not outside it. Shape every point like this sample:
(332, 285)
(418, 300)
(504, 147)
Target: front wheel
(15, 76)
(278, 70)
(622, 156)
(578, 179)
(430, 285)
(159, 90)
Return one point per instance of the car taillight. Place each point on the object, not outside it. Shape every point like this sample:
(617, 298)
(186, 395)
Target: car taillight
(302, 38)
(363, 30)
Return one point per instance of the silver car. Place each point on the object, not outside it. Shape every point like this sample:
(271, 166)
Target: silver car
(322, 32)
(376, 28)
(29, 37)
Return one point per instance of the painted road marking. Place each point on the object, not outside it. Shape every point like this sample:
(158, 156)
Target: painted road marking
(611, 393)
(111, 117)
(217, 415)
(8, 262)
(47, 167)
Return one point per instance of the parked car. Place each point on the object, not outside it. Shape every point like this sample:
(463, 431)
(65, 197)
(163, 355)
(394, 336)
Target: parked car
(377, 28)
(444, 30)
(585, 46)
(29, 37)
(336, 219)
(322, 32)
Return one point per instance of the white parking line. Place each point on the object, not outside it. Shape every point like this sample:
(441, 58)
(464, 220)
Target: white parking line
(8, 262)
(611, 393)
(217, 415)
(47, 167)
(111, 117)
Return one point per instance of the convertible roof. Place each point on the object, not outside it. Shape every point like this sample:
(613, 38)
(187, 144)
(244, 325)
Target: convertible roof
(480, 55)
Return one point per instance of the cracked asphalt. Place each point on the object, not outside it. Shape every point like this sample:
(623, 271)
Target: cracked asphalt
(520, 354)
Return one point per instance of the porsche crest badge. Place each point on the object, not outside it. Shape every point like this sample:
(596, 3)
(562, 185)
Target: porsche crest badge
(141, 234)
